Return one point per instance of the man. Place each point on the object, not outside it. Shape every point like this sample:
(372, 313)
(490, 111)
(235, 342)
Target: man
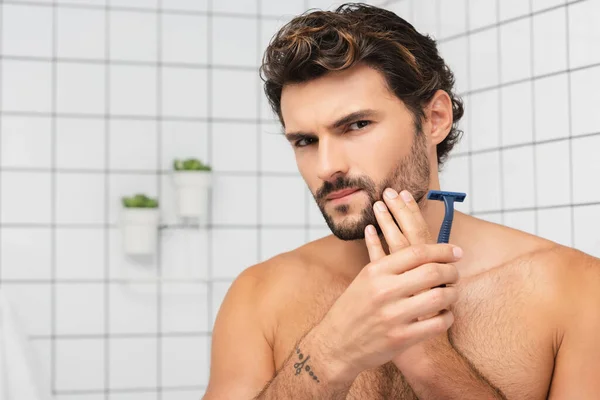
(367, 104)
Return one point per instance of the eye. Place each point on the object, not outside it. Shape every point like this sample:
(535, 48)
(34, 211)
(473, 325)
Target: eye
(359, 125)
(304, 142)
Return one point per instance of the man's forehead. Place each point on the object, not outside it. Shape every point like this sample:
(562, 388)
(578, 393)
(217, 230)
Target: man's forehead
(332, 96)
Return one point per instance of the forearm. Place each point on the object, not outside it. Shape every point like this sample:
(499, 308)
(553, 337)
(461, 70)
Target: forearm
(308, 373)
(447, 374)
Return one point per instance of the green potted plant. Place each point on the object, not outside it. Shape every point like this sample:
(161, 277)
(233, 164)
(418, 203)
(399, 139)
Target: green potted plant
(139, 224)
(192, 179)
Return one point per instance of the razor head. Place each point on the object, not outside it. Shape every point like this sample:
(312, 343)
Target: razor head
(440, 195)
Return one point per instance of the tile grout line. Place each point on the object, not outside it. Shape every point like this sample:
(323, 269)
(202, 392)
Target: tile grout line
(107, 248)
(53, 202)
(534, 143)
(209, 141)
(87, 336)
(1, 134)
(130, 390)
(139, 117)
(570, 121)
(500, 124)
(259, 174)
(159, 263)
(178, 227)
(130, 63)
(141, 10)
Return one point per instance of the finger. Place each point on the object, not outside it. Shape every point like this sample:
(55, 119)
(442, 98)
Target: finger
(427, 304)
(411, 257)
(373, 243)
(420, 331)
(408, 215)
(426, 277)
(394, 238)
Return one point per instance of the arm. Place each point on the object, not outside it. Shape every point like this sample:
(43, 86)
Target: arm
(577, 365)
(242, 358)
(444, 373)
(294, 380)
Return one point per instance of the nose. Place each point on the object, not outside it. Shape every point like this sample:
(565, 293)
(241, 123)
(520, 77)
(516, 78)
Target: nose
(331, 160)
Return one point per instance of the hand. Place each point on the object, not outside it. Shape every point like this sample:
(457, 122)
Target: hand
(413, 231)
(377, 316)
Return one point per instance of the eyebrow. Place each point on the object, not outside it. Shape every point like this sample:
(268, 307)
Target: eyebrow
(352, 117)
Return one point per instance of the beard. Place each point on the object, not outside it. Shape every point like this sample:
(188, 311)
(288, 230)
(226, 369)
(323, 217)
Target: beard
(411, 173)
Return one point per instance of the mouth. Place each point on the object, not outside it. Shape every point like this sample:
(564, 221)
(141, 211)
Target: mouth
(342, 195)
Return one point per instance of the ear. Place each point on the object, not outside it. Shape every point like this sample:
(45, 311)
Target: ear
(439, 116)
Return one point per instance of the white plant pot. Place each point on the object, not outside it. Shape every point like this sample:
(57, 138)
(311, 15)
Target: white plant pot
(139, 228)
(192, 192)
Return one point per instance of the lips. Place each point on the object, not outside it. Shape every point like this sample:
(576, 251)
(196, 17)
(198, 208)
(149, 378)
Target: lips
(341, 193)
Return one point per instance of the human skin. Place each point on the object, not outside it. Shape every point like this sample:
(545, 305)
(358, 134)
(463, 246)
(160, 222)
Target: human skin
(525, 319)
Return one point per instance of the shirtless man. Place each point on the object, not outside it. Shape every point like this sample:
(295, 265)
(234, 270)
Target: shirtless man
(367, 104)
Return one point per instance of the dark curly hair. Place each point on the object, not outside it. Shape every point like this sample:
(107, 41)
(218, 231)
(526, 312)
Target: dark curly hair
(317, 42)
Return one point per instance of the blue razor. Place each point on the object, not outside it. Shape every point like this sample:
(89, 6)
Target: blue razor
(448, 198)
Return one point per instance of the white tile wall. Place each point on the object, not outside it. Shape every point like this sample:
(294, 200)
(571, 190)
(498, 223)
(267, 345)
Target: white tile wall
(133, 90)
(518, 177)
(79, 308)
(26, 142)
(482, 13)
(26, 86)
(25, 254)
(517, 114)
(26, 30)
(183, 92)
(133, 35)
(531, 132)
(584, 33)
(455, 17)
(549, 42)
(483, 67)
(133, 363)
(233, 48)
(80, 33)
(551, 107)
(20, 194)
(585, 118)
(485, 120)
(521, 220)
(176, 31)
(80, 364)
(509, 9)
(515, 44)
(80, 144)
(455, 52)
(80, 88)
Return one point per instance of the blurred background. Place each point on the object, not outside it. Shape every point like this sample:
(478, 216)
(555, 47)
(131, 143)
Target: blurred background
(98, 97)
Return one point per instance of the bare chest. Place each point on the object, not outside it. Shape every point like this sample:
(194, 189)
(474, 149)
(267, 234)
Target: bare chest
(495, 329)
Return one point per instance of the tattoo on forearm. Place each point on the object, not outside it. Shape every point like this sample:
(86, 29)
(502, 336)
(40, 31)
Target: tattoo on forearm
(300, 365)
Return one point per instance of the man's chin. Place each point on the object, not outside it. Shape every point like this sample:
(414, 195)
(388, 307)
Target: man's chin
(348, 230)
(348, 235)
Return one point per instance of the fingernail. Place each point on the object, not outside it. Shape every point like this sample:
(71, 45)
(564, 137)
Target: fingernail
(405, 196)
(380, 206)
(458, 253)
(371, 230)
(390, 193)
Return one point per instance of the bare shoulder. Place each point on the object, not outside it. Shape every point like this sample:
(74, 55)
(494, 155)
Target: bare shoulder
(246, 324)
(281, 283)
(571, 272)
(564, 284)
